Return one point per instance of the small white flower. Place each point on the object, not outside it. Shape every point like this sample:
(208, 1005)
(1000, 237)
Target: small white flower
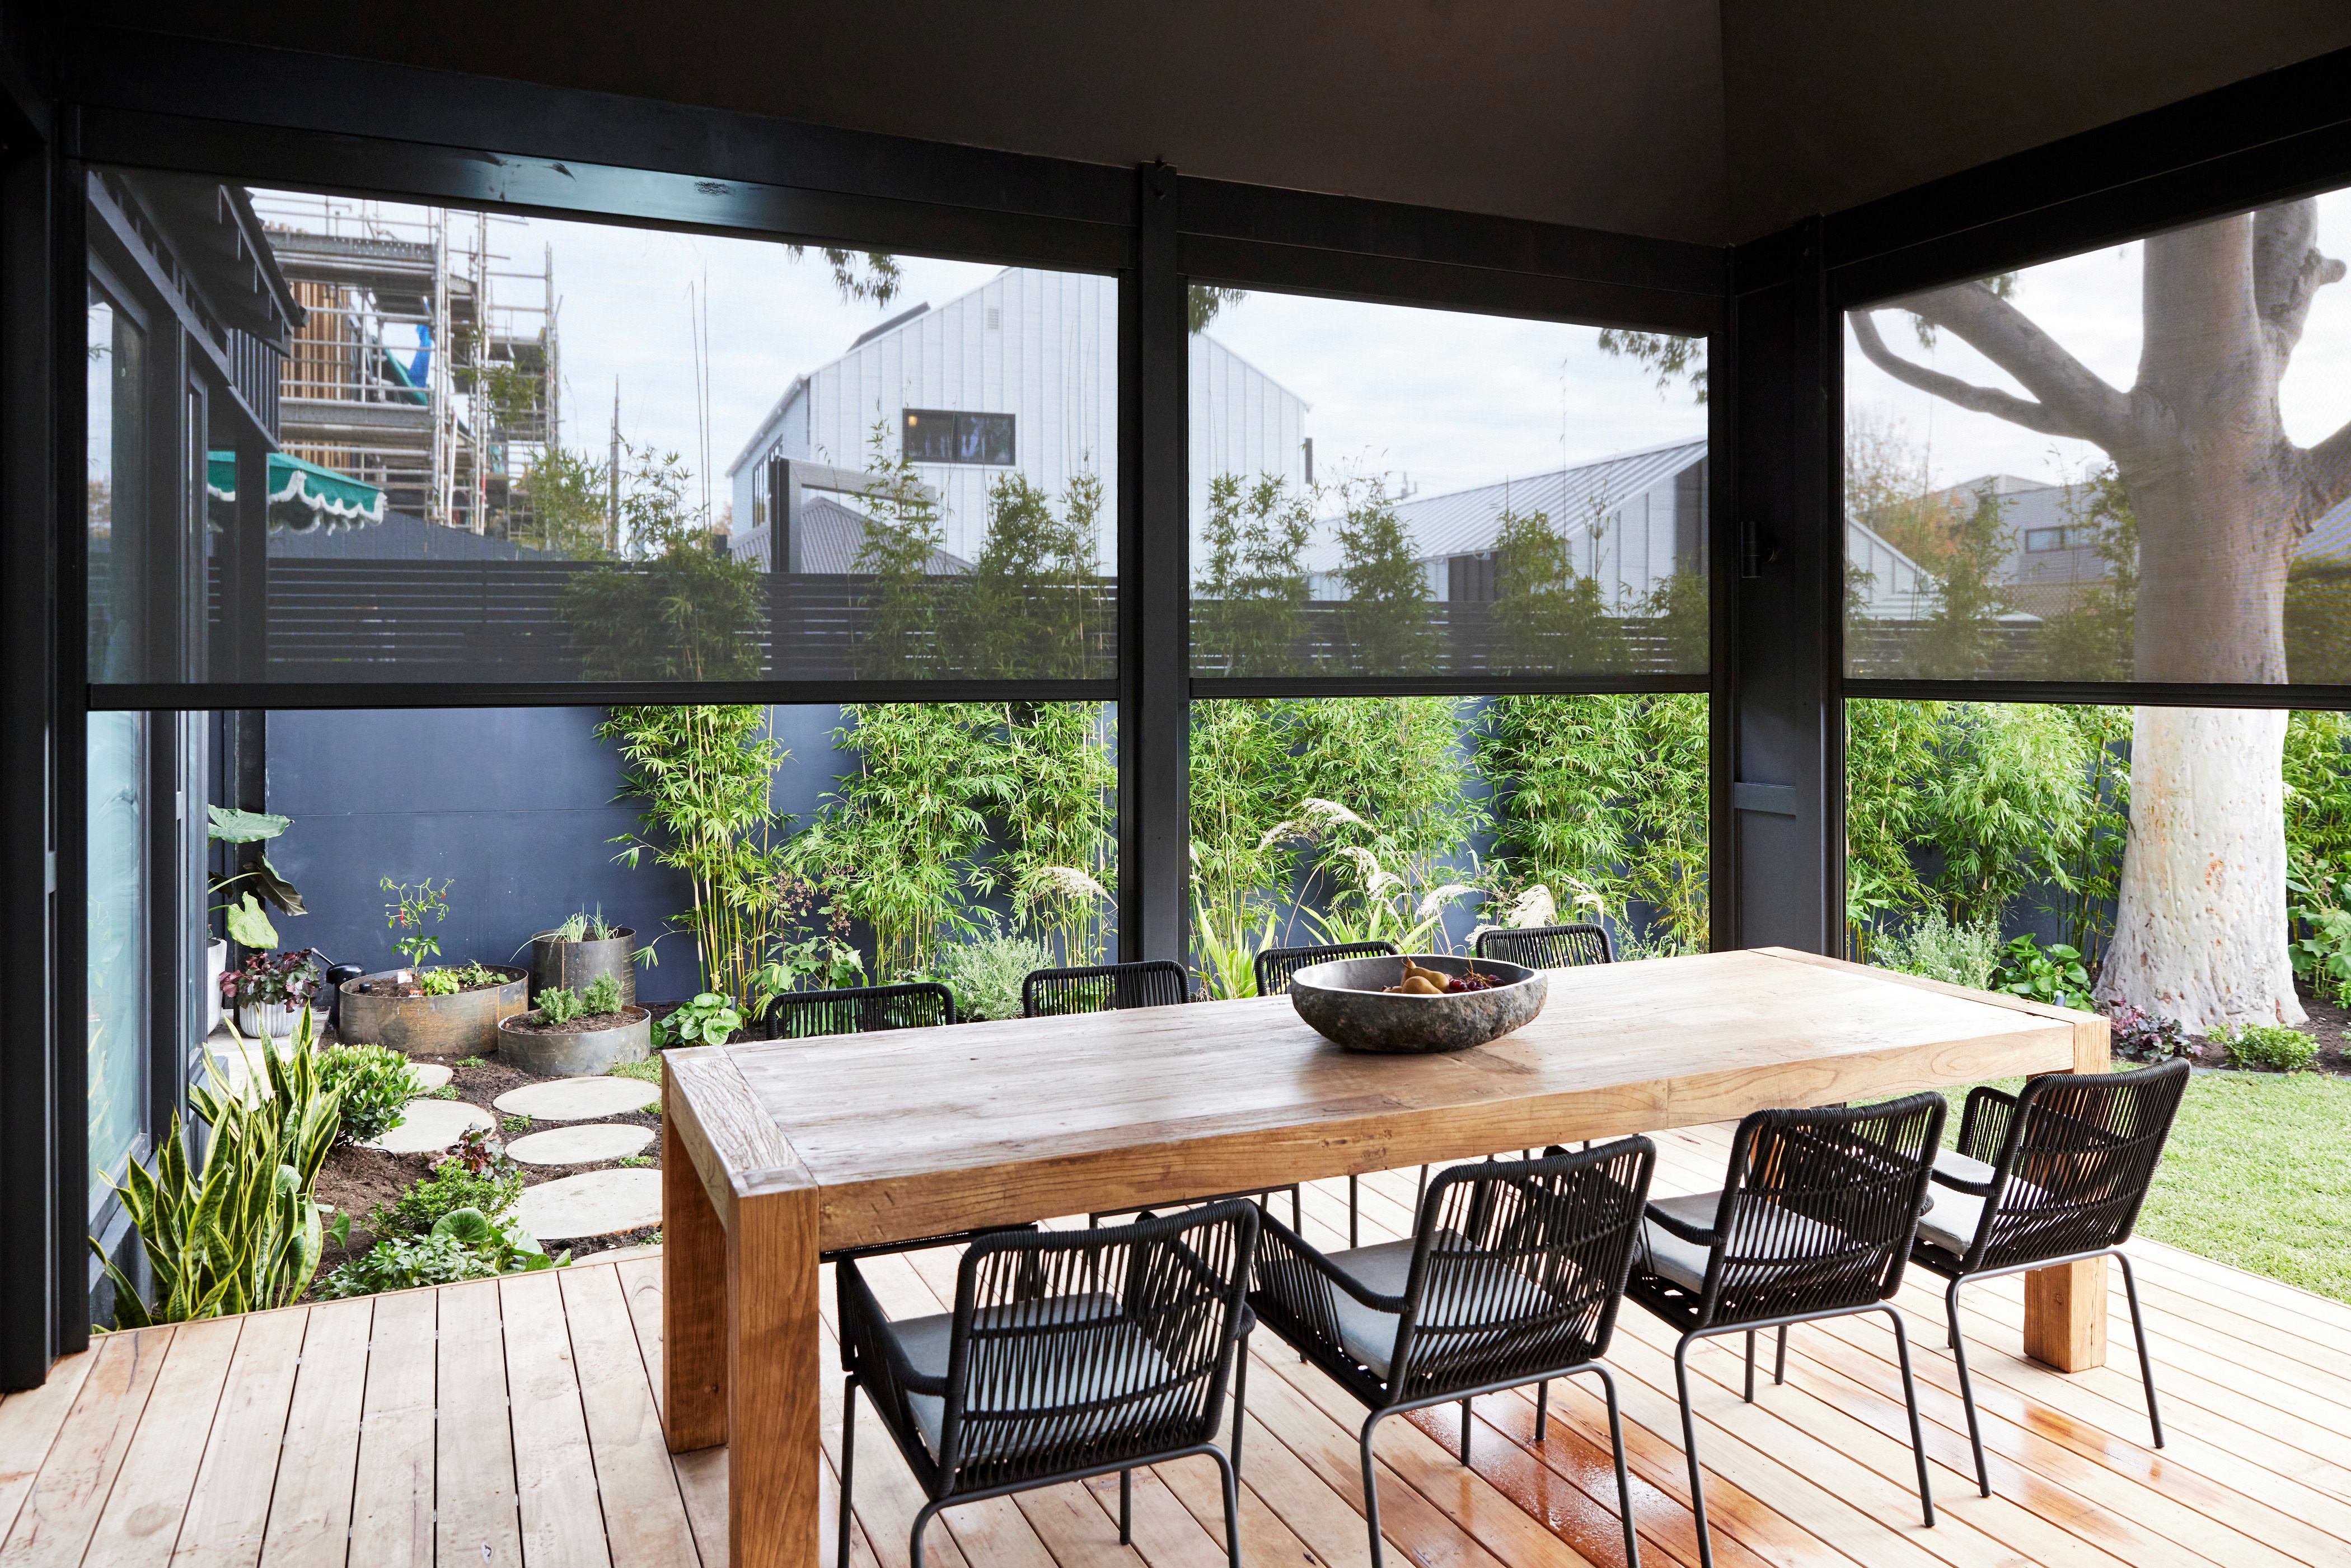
(1328, 813)
(1438, 898)
(1535, 906)
(1067, 880)
(1281, 832)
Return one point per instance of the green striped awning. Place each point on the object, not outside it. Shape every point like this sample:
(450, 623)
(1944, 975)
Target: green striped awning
(308, 494)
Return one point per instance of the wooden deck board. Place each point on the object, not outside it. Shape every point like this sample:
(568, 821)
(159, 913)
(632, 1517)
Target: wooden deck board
(382, 1432)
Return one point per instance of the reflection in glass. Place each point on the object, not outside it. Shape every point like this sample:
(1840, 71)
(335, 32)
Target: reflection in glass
(116, 487)
(117, 957)
(1495, 496)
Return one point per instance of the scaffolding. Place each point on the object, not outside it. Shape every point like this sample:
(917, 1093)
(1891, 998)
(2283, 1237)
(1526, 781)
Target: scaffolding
(429, 364)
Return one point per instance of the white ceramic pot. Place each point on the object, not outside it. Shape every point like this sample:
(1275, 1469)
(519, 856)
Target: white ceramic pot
(216, 965)
(271, 1021)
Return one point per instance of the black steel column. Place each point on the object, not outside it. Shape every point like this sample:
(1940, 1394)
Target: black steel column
(1779, 724)
(1154, 710)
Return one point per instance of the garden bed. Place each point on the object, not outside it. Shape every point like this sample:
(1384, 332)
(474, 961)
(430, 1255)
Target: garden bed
(355, 1180)
(2328, 1027)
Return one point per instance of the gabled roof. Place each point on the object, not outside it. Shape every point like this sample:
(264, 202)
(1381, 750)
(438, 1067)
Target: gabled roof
(830, 537)
(1465, 522)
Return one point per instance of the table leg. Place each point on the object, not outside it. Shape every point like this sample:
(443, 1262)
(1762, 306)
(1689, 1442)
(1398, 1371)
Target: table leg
(773, 1374)
(2065, 1307)
(694, 1302)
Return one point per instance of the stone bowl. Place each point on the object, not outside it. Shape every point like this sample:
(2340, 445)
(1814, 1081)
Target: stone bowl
(1347, 1001)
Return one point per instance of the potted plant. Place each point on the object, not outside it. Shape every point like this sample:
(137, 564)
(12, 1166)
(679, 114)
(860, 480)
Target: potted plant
(575, 1034)
(441, 1010)
(247, 922)
(582, 950)
(270, 992)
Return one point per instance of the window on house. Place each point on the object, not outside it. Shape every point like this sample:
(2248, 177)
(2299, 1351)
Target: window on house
(943, 436)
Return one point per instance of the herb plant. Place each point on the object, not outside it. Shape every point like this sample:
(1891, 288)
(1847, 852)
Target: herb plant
(601, 997)
(986, 972)
(439, 983)
(708, 1020)
(2053, 974)
(559, 1005)
(450, 1185)
(1965, 954)
(413, 914)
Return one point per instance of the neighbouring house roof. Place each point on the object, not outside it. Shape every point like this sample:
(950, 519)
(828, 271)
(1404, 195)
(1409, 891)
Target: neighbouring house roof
(831, 536)
(1466, 522)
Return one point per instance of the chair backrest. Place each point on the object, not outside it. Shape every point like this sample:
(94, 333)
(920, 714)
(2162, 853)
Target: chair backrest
(1276, 965)
(799, 1015)
(1073, 1349)
(1103, 988)
(1519, 1267)
(2075, 1160)
(1820, 1206)
(1548, 946)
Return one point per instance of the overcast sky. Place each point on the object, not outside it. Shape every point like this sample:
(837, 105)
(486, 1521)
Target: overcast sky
(1442, 399)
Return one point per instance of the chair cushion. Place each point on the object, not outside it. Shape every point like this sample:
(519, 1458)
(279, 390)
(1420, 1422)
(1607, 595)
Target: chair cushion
(1116, 1353)
(1669, 1257)
(1952, 1222)
(1369, 1335)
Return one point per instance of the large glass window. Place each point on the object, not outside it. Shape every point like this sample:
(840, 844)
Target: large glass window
(1378, 490)
(2133, 464)
(1420, 820)
(481, 446)
(117, 991)
(115, 481)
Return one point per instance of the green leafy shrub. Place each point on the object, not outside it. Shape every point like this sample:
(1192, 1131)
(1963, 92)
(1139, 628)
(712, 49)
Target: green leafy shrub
(985, 974)
(1965, 953)
(2268, 1047)
(402, 1263)
(2144, 1036)
(2052, 973)
(559, 1004)
(602, 996)
(376, 1083)
(491, 1191)
(241, 1233)
(707, 1020)
(438, 983)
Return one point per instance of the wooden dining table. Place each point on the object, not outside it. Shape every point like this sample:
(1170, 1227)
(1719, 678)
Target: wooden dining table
(774, 1152)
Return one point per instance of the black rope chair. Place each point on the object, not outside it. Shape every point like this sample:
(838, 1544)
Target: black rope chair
(1069, 1355)
(1548, 946)
(1814, 1221)
(860, 1009)
(1512, 1276)
(2055, 1175)
(1274, 968)
(1104, 987)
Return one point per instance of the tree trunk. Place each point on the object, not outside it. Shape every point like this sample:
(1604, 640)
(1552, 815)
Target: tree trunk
(2200, 933)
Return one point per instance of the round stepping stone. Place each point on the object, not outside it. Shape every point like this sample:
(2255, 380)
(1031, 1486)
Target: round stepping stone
(579, 1098)
(584, 1143)
(433, 1074)
(428, 1126)
(600, 1203)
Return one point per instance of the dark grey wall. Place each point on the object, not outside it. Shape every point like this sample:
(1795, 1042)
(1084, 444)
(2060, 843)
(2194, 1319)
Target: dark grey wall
(515, 805)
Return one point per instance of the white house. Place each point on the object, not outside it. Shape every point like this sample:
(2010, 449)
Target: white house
(1021, 375)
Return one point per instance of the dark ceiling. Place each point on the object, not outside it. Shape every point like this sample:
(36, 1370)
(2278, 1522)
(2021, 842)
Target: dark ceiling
(1704, 119)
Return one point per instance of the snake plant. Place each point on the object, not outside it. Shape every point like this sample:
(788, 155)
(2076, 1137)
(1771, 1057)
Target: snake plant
(239, 1231)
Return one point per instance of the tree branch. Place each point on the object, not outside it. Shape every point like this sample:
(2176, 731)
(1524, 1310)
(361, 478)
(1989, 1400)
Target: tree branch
(2288, 272)
(1951, 390)
(2327, 469)
(2085, 406)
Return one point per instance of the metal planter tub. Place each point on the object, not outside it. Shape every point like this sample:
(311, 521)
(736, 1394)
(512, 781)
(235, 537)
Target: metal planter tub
(575, 1052)
(558, 965)
(1348, 1001)
(465, 1024)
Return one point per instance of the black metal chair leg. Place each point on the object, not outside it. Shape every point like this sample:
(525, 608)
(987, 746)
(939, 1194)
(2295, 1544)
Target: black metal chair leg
(914, 1538)
(1231, 1475)
(1353, 1207)
(1910, 1398)
(1464, 1433)
(1371, 1492)
(1689, 1448)
(1240, 1399)
(1543, 1408)
(1966, 1388)
(1297, 1215)
(2139, 1332)
(1126, 1508)
(1780, 1360)
(1624, 1482)
(848, 1458)
(1749, 1394)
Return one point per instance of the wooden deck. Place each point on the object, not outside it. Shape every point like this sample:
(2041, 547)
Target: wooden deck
(513, 1422)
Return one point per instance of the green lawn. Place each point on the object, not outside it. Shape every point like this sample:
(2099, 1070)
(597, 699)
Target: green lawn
(2257, 1174)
